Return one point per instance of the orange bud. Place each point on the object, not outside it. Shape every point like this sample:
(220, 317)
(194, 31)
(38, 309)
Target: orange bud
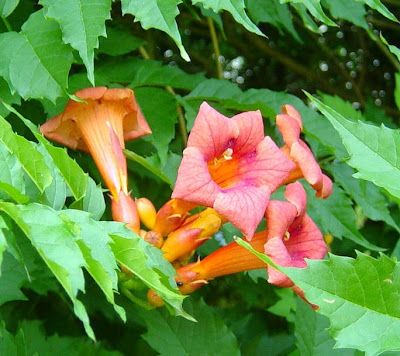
(172, 215)
(124, 210)
(191, 235)
(147, 212)
(154, 299)
(229, 259)
(154, 238)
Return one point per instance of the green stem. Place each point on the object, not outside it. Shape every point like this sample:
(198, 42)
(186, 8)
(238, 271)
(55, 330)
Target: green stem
(214, 40)
(127, 293)
(7, 24)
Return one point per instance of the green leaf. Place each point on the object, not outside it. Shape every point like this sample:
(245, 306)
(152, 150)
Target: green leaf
(275, 13)
(365, 194)
(6, 96)
(311, 335)
(397, 90)
(147, 263)
(235, 7)
(7, 7)
(12, 278)
(159, 107)
(31, 337)
(72, 173)
(158, 14)
(119, 41)
(315, 9)
(31, 160)
(11, 176)
(35, 62)
(382, 9)
(286, 305)
(147, 72)
(352, 11)
(95, 247)
(93, 201)
(81, 22)
(374, 151)
(170, 335)
(336, 216)
(360, 298)
(54, 237)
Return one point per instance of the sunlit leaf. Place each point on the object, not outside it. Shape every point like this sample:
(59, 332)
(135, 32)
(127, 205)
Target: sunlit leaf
(82, 22)
(360, 298)
(54, 238)
(35, 62)
(30, 159)
(314, 6)
(373, 150)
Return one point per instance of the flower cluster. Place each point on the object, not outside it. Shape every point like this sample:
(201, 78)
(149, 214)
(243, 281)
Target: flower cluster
(229, 167)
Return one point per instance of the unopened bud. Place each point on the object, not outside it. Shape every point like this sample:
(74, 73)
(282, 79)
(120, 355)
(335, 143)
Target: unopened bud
(172, 215)
(154, 299)
(124, 210)
(154, 238)
(147, 212)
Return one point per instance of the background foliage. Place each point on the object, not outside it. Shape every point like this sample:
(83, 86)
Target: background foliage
(59, 252)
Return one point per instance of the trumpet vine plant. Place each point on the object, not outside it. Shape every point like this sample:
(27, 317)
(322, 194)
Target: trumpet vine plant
(199, 177)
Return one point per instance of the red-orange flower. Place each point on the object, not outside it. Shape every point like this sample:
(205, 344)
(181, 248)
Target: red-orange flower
(230, 166)
(290, 125)
(291, 234)
(229, 259)
(100, 124)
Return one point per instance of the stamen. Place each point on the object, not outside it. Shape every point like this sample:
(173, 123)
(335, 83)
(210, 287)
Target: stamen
(228, 154)
(287, 236)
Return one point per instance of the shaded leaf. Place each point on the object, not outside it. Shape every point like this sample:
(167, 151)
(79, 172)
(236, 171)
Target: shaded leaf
(157, 14)
(170, 335)
(366, 144)
(235, 7)
(352, 11)
(35, 62)
(273, 12)
(159, 107)
(365, 194)
(378, 6)
(82, 22)
(315, 9)
(335, 215)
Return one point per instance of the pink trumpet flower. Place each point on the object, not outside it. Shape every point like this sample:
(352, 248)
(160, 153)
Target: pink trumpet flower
(291, 235)
(231, 166)
(290, 126)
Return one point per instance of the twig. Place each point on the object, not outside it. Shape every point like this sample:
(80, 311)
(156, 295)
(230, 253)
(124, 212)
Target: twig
(215, 45)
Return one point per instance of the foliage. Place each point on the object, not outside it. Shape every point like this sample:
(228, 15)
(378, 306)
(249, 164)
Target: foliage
(70, 276)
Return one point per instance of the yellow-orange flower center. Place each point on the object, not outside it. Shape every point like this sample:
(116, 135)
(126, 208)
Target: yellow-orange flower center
(223, 169)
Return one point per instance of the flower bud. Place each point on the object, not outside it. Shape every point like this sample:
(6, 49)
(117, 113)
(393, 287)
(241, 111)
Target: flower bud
(124, 210)
(154, 238)
(147, 212)
(154, 299)
(187, 238)
(172, 215)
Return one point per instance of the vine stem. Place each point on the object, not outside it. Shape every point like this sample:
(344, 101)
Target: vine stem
(214, 40)
(181, 118)
(7, 24)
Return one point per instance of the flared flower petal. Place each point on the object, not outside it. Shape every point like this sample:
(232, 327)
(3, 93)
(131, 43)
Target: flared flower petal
(229, 165)
(100, 124)
(290, 126)
(292, 237)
